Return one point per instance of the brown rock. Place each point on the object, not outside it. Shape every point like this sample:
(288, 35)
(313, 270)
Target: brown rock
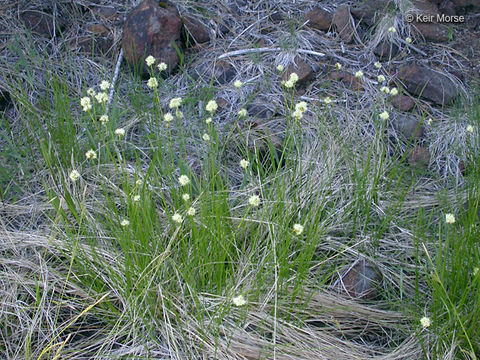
(359, 280)
(372, 10)
(96, 45)
(151, 29)
(348, 79)
(98, 30)
(262, 137)
(319, 19)
(41, 23)
(403, 103)
(196, 30)
(447, 8)
(259, 109)
(418, 157)
(409, 127)
(343, 21)
(432, 31)
(466, 6)
(106, 12)
(302, 69)
(386, 50)
(427, 83)
(425, 7)
(221, 71)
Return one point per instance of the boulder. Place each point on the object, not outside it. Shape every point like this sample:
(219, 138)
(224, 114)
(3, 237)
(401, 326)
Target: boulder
(196, 30)
(343, 22)
(427, 83)
(403, 103)
(432, 31)
(371, 11)
(222, 72)
(408, 127)
(302, 69)
(41, 23)
(152, 29)
(260, 109)
(418, 157)
(348, 79)
(386, 50)
(359, 280)
(466, 6)
(319, 19)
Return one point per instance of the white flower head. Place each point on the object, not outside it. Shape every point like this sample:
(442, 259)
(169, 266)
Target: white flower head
(212, 106)
(152, 83)
(429, 121)
(327, 100)
(239, 300)
(378, 65)
(177, 218)
(301, 106)
(449, 218)
(104, 85)
(91, 92)
(385, 89)
(104, 119)
(470, 128)
(392, 30)
(297, 114)
(139, 182)
(408, 40)
(102, 97)
(381, 78)
(150, 60)
(359, 74)
(425, 321)
(293, 77)
(91, 155)
(289, 84)
(394, 91)
(254, 200)
(238, 84)
(338, 66)
(186, 197)
(175, 102)
(86, 103)
(298, 229)
(208, 120)
(168, 117)
(384, 115)
(162, 66)
(242, 112)
(74, 175)
(120, 132)
(184, 180)
(191, 211)
(280, 67)
(244, 163)
(136, 198)
(206, 137)
(124, 222)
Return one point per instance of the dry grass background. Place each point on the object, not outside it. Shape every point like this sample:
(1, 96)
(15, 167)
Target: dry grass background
(40, 295)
